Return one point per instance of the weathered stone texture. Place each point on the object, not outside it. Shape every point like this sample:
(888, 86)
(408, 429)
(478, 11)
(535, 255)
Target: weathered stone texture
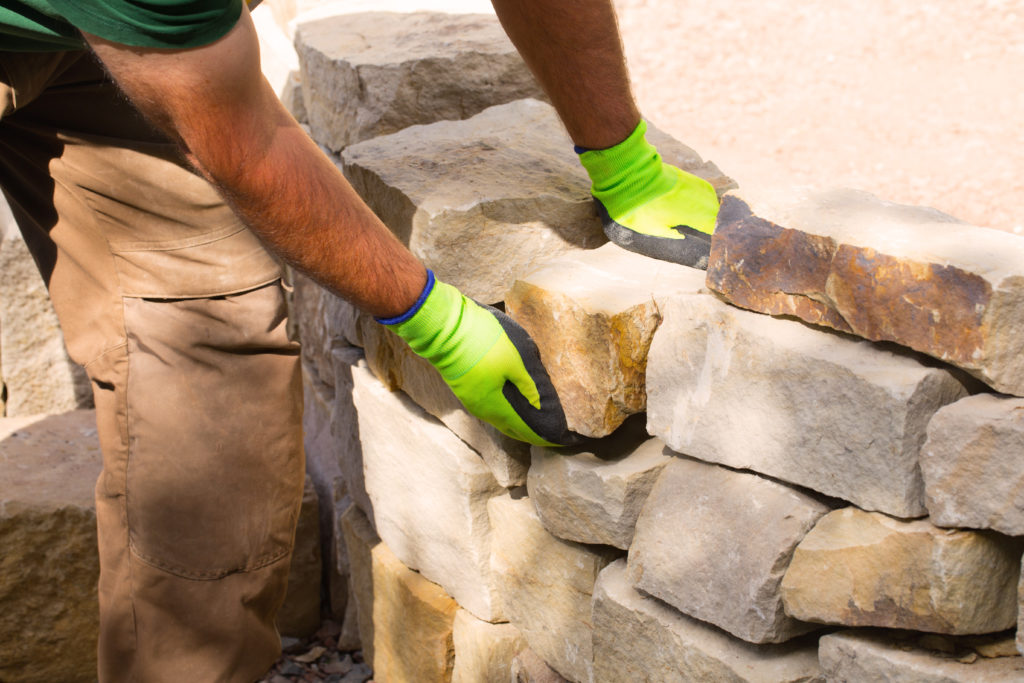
(866, 569)
(528, 667)
(484, 651)
(715, 543)
(299, 616)
(593, 315)
(360, 542)
(370, 74)
(48, 560)
(880, 270)
(864, 655)
(429, 492)
(815, 408)
(546, 585)
(642, 640)
(40, 377)
(345, 426)
(594, 496)
(324, 322)
(973, 464)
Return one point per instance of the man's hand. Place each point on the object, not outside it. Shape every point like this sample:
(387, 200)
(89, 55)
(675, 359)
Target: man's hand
(488, 360)
(651, 207)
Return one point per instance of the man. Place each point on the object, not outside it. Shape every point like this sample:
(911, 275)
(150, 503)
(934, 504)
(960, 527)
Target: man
(151, 218)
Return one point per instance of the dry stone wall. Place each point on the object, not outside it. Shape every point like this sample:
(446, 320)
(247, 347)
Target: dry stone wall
(795, 473)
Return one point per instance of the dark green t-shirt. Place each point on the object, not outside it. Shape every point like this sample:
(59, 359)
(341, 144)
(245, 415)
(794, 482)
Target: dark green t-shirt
(55, 24)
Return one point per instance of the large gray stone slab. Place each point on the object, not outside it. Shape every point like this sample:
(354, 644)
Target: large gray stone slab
(973, 464)
(640, 639)
(715, 543)
(429, 492)
(827, 411)
(369, 74)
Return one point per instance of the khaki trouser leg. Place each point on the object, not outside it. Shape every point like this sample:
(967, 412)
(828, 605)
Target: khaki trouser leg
(178, 316)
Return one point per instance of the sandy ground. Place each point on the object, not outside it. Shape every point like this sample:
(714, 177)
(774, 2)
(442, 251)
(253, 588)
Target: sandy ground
(917, 102)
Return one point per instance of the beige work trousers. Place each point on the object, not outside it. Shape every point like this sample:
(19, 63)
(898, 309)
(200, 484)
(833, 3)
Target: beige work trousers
(177, 314)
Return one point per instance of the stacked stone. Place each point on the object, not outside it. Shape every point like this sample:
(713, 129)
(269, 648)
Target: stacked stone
(753, 482)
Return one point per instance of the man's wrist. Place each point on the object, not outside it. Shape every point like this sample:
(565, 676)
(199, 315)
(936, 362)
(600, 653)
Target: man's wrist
(417, 305)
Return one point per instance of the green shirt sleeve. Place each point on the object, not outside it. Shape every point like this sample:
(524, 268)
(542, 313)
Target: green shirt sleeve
(153, 23)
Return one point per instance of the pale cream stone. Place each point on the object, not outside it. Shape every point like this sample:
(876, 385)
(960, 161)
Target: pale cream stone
(593, 315)
(715, 543)
(811, 407)
(861, 568)
(484, 651)
(546, 585)
(642, 640)
(299, 615)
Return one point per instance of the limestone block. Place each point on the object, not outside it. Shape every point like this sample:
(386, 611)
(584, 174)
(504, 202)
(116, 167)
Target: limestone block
(40, 377)
(528, 667)
(48, 563)
(429, 492)
(345, 427)
(715, 543)
(339, 570)
(748, 391)
(593, 315)
(324, 322)
(640, 639)
(484, 651)
(883, 271)
(360, 543)
(973, 464)
(369, 74)
(863, 655)
(299, 616)
(394, 363)
(860, 568)
(594, 495)
(546, 585)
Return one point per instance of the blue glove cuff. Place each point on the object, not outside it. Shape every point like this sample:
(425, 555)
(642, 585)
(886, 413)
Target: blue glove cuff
(427, 288)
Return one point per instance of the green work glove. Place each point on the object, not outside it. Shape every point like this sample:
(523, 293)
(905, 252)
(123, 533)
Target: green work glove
(488, 360)
(651, 207)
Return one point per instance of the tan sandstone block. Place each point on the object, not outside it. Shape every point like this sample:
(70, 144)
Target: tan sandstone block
(883, 271)
(593, 315)
(546, 585)
(973, 464)
(866, 569)
(48, 559)
(484, 651)
(299, 616)
(528, 667)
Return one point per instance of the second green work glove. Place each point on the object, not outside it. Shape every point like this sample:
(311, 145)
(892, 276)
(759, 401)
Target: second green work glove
(489, 361)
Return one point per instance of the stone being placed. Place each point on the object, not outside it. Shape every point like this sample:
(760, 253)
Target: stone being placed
(593, 315)
(883, 271)
(395, 364)
(594, 495)
(484, 651)
(859, 568)
(640, 639)
(866, 655)
(429, 492)
(372, 73)
(546, 585)
(715, 543)
(299, 616)
(827, 411)
(973, 464)
(48, 560)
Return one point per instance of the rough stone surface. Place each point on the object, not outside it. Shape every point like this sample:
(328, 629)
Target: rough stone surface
(865, 655)
(593, 315)
(528, 667)
(642, 640)
(339, 571)
(546, 585)
(360, 542)
(595, 495)
(324, 322)
(299, 616)
(429, 492)
(48, 563)
(345, 427)
(839, 415)
(860, 568)
(715, 543)
(484, 651)
(39, 376)
(883, 271)
(370, 74)
(973, 464)
(394, 363)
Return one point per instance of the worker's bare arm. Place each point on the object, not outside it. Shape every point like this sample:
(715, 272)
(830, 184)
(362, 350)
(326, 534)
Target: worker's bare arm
(215, 102)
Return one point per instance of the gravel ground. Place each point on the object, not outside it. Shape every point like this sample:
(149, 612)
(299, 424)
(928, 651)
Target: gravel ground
(918, 102)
